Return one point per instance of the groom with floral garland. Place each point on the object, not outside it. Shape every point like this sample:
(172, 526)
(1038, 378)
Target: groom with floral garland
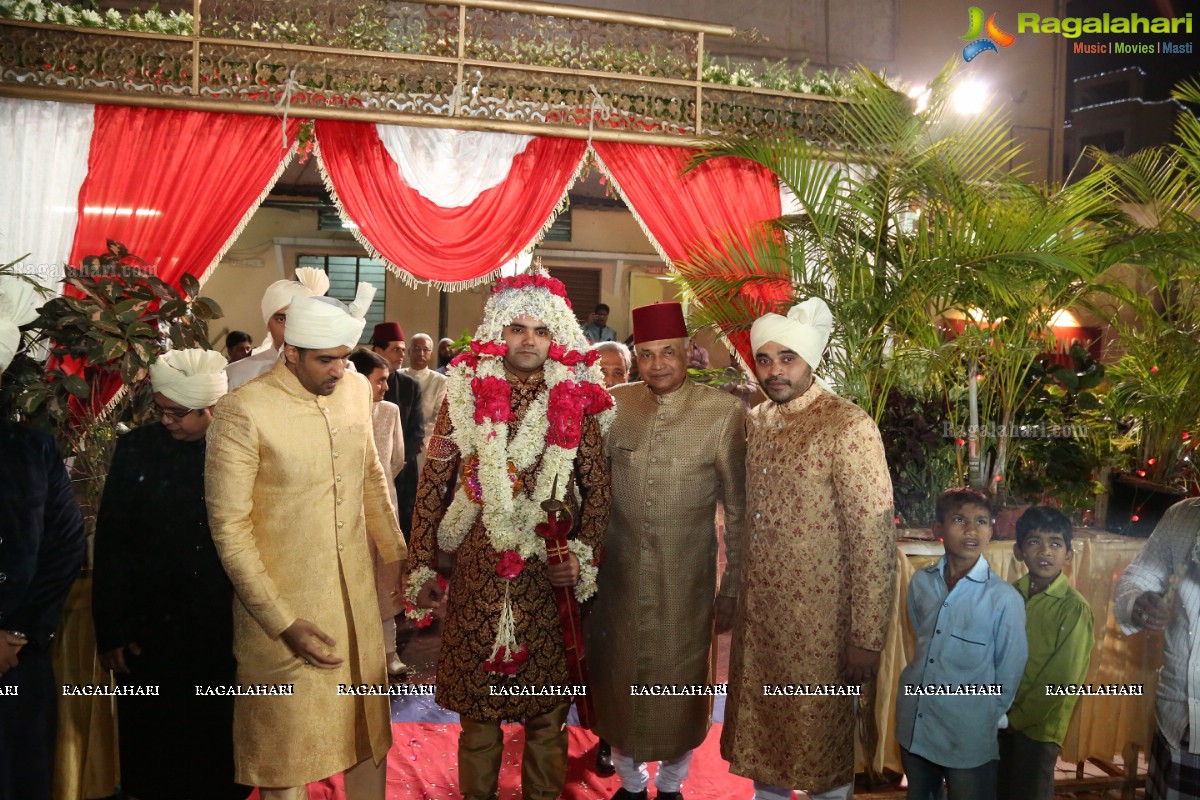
(525, 414)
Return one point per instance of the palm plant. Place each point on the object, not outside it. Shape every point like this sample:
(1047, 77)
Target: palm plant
(918, 215)
(1156, 382)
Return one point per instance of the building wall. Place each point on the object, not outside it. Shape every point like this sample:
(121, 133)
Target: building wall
(267, 251)
(910, 39)
(268, 248)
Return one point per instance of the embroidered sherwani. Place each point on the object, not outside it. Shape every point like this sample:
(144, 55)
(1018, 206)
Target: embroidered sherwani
(819, 574)
(476, 595)
(294, 488)
(673, 457)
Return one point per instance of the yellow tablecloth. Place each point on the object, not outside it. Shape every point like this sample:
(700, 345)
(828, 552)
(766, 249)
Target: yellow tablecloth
(1101, 726)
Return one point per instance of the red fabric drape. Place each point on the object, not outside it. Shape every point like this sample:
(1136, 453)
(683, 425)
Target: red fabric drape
(173, 186)
(687, 213)
(428, 241)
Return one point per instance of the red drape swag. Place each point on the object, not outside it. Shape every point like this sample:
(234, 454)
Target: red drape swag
(428, 241)
(173, 187)
(693, 212)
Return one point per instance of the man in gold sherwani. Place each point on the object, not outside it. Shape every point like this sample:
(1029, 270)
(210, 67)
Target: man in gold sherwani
(524, 416)
(677, 447)
(294, 488)
(819, 569)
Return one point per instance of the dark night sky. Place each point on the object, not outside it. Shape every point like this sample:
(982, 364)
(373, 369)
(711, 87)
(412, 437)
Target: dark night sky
(1162, 71)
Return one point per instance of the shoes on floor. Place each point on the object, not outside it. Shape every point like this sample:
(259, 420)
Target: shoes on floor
(604, 762)
(395, 666)
(624, 795)
(670, 796)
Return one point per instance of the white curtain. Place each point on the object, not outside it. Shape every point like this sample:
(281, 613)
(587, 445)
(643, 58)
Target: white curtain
(44, 150)
(448, 167)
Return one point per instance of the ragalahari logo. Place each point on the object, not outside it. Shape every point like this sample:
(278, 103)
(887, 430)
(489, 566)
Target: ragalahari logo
(995, 36)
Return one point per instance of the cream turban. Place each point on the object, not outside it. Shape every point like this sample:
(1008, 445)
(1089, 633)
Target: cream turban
(319, 323)
(805, 330)
(16, 309)
(310, 282)
(193, 378)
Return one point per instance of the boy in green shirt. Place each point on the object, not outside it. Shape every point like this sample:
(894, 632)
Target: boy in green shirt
(1060, 631)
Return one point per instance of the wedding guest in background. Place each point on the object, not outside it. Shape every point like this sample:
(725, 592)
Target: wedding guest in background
(389, 443)
(614, 363)
(387, 340)
(161, 600)
(1146, 601)
(41, 551)
(433, 387)
(597, 330)
(239, 345)
(309, 282)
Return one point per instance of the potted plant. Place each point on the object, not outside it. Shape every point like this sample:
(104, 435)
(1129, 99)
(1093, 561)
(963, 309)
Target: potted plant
(1156, 381)
(100, 339)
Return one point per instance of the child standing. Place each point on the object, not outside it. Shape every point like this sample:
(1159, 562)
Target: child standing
(1060, 631)
(970, 628)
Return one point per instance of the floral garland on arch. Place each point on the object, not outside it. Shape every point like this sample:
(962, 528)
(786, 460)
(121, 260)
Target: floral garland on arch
(479, 399)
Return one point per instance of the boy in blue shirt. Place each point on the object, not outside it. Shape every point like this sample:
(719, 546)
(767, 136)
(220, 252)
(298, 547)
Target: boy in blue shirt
(1060, 632)
(970, 629)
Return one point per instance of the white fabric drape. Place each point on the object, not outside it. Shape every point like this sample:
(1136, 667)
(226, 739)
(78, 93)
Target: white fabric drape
(44, 149)
(449, 167)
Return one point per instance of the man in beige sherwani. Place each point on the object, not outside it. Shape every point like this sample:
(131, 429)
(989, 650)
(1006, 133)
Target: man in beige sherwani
(677, 447)
(294, 488)
(433, 388)
(819, 569)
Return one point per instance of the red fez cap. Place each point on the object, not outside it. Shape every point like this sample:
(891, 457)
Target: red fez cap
(658, 321)
(387, 332)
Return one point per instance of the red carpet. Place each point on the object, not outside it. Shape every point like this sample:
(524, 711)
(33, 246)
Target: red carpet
(422, 766)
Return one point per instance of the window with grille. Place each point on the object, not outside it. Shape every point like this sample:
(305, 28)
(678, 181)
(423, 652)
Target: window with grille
(345, 273)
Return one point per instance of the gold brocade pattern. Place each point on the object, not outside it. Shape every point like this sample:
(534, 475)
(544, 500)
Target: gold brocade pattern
(476, 594)
(294, 488)
(673, 458)
(820, 572)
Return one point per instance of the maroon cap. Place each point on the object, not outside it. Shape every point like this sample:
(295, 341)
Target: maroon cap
(658, 321)
(387, 332)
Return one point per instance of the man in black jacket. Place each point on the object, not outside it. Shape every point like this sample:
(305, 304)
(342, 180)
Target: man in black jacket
(41, 551)
(161, 600)
(388, 341)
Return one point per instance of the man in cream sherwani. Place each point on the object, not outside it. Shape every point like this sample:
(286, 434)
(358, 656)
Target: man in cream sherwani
(294, 488)
(677, 447)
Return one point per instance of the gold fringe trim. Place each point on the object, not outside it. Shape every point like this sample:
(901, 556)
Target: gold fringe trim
(250, 212)
(406, 277)
(658, 248)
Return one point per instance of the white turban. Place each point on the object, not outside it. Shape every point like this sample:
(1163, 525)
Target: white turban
(193, 378)
(805, 330)
(319, 323)
(16, 309)
(310, 282)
